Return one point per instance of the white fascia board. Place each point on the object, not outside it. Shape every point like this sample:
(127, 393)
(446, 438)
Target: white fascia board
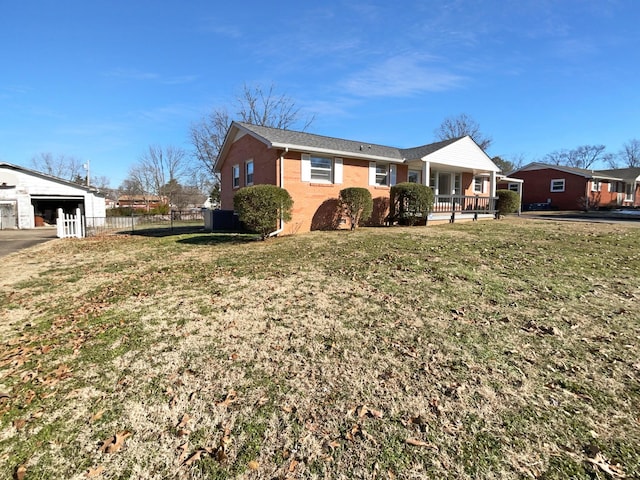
(464, 154)
(334, 153)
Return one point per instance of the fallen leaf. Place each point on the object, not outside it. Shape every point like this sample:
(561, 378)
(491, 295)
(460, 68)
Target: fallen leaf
(253, 465)
(21, 472)
(115, 443)
(419, 443)
(195, 456)
(364, 411)
(96, 416)
(293, 465)
(94, 472)
(601, 462)
(183, 454)
(229, 399)
(19, 423)
(185, 419)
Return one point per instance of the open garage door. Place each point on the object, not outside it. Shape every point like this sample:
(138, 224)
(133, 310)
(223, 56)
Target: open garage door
(46, 207)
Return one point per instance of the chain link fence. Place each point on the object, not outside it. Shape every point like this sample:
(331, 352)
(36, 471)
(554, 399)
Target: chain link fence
(138, 223)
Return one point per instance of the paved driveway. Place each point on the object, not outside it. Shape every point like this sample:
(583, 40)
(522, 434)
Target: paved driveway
(14, 240)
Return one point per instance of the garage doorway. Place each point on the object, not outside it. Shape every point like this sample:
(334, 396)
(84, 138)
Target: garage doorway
(46, 208)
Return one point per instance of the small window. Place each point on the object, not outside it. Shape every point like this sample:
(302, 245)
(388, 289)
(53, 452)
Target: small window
(321, 169)
(249, 172)
(236, 176)
(414, 176)
(382, 175)
(596, 185)
(478, 184)
(557, 185)
(513, 186)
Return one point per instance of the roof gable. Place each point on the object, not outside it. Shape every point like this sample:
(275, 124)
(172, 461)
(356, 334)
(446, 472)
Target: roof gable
(35, 173)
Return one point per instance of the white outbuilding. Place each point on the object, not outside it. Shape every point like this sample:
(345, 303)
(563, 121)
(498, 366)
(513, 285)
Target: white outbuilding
(29, 199)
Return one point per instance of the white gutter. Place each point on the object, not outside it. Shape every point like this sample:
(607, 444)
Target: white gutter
(336, 153)
(281, 229)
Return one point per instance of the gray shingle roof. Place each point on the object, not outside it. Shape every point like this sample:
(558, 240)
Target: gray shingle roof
(302, 140)
(624, 173)
(598, 174)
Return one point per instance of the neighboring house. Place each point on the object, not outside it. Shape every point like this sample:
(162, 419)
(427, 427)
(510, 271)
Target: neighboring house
(142, 202)
(29, 199)
(314, 168)
(567, 188)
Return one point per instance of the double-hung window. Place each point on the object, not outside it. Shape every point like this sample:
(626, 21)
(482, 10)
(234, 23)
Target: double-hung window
(513, 186)
(596, 185)
(318, 169)
(248, 172)
(382, 174)
(557, 185)
(321, 169)
(478, 184)
(235, 173)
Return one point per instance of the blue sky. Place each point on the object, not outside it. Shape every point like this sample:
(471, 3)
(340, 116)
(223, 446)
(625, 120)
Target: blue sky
(103, 80)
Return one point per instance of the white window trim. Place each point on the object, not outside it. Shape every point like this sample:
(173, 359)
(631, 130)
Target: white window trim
(513, 186)
(477, 179)
(336, 170)
(557, 190)
(392, 174)
(235, 179)
(419, 174)
(596, 185)
(246, 172)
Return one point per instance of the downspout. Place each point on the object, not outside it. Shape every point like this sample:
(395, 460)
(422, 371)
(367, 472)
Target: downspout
(281, 229)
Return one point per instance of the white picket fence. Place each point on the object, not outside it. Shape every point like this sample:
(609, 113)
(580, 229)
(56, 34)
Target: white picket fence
(70, 226)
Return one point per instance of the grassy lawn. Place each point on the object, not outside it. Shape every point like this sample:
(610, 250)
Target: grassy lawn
(500, 349)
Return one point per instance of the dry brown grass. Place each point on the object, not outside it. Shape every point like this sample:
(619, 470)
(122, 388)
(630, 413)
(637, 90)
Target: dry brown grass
(493, 350)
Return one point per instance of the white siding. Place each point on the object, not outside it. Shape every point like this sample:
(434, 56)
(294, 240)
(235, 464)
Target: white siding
(463, 154)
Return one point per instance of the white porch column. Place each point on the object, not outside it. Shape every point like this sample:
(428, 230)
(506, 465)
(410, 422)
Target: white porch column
(493, 184)
(426, 173)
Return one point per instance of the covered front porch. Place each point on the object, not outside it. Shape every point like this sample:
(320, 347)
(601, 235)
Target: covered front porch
(460, 193)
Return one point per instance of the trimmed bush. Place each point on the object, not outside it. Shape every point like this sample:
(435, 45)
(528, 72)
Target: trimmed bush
(508, 201)
(260, 207)
(357, 203)
(410, 203)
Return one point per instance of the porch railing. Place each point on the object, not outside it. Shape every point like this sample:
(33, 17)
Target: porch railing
(464, 204)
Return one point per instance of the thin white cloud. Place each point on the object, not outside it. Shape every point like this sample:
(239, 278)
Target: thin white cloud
(138, 75)
(401, 76)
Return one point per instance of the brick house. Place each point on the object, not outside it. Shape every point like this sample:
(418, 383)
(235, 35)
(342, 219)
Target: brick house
(567, 188)
(314, 168)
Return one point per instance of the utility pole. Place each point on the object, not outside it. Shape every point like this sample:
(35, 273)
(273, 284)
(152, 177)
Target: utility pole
(86, 167)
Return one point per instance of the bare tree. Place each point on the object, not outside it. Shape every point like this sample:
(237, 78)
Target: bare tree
(253, 105)
(61, 166)
(630, 153)
(506, 164)
(463, 124)
(585, 156)
(158, 169)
